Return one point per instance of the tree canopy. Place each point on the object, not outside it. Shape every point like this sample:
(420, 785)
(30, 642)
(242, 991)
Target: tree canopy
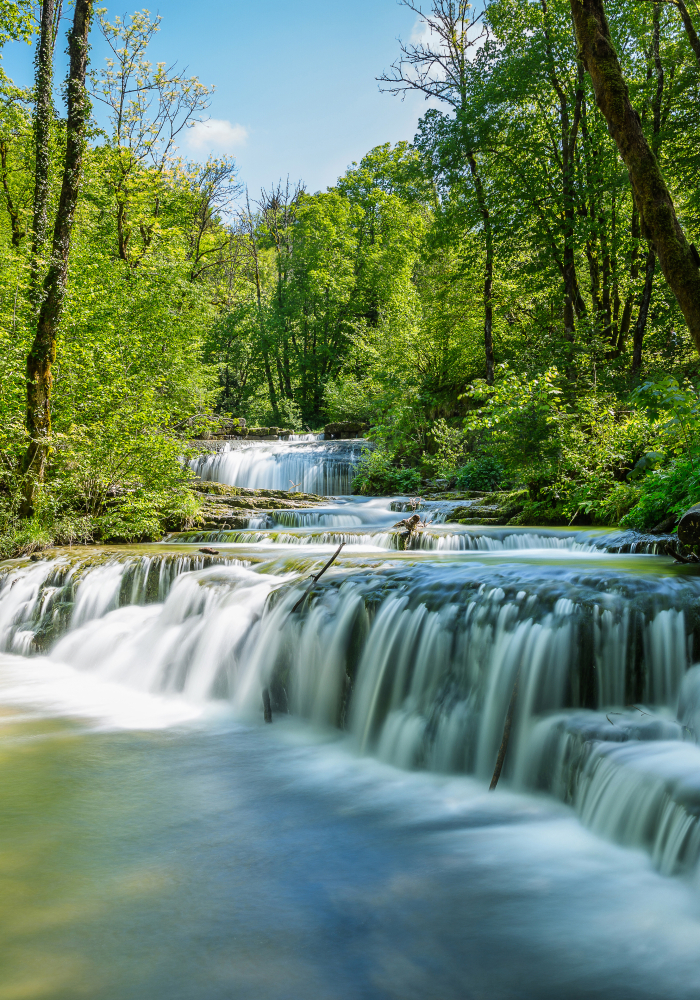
(490, 297)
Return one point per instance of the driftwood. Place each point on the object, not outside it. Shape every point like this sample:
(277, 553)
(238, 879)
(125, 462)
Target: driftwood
(407, 528)
(209, 552)
(411, 523)
(688, 560)
(506, 734)
(316, 578)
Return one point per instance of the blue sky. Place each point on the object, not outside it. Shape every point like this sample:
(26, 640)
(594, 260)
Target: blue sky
(295, 82)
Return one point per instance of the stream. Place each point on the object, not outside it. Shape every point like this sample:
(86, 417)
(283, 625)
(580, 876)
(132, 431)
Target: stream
(160, 841)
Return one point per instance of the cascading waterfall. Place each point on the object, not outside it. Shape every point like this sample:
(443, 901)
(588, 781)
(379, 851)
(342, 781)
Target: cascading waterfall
(325, 468)
(411, 649)
(417, 663)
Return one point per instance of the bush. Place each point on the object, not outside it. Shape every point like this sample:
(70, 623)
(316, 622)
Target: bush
(484, 472)
(667, 491)
(378, 477)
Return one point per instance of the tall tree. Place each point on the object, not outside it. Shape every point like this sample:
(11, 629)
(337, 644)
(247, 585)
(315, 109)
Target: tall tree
(43, 350)
(679, 260)
(439, 67)
(43, 108)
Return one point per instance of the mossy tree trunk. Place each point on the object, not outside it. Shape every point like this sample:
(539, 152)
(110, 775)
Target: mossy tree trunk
(488, 268)
(677, 258)
(43, 113)
(689, 28)
(43, 350)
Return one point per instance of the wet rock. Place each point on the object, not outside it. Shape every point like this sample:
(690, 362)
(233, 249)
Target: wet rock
(491, 508)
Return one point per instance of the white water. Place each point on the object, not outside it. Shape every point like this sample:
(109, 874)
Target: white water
(307, 466)
(416, 661)
(412, 655)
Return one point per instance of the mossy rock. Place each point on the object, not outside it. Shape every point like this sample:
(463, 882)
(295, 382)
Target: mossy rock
(345, 429)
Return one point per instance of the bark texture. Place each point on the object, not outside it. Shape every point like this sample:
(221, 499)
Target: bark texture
(488, 269)
(657, 214)
(644, 303)
(15, 221)
(43, 350)
(43, 109)
(689, 28)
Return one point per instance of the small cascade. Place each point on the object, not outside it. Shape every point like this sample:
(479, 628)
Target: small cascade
(354, 525)
(40, 602)
(326, 468)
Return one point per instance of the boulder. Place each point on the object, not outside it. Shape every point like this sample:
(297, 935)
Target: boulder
(345, 429)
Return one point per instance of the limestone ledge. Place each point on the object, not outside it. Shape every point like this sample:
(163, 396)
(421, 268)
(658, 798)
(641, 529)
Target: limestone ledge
(231, 506)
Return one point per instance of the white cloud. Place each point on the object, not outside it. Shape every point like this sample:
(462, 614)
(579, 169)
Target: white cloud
(217, 133)
(421, 33)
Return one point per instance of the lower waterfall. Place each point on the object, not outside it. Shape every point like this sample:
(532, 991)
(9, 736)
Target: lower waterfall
(416, 661)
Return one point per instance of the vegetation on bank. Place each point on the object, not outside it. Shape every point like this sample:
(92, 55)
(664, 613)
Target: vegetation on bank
(487, 299)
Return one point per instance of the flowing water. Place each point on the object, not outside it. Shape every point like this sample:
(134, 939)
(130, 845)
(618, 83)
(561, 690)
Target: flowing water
(160, 841)
(304, 463)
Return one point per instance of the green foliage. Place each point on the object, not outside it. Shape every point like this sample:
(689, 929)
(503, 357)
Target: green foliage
(522, 419)
(663, 493)
(366, 301)
(379, 476)
(483, 472)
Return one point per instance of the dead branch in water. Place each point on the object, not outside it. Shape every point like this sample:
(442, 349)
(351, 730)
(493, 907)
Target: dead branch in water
(316, 578)
(506, 734)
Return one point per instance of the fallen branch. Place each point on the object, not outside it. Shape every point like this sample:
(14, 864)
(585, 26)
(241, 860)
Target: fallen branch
(267, 706)
(506, 734)
(316, 578)
(209, 552)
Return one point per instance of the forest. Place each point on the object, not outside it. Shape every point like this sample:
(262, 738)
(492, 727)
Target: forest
(500, 299)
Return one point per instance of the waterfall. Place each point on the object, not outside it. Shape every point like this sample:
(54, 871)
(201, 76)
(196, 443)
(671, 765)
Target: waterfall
(415, 661)
(410, 647)
(326, 468)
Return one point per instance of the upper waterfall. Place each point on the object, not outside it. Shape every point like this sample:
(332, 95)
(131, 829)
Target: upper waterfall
(326, 468)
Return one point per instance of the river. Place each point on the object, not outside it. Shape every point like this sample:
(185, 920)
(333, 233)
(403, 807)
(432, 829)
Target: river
(160, 841)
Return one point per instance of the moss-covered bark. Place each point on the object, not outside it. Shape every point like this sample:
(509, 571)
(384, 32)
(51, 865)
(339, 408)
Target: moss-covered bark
(657, 214)
(43, 350)
(43, 111)
(488, 268)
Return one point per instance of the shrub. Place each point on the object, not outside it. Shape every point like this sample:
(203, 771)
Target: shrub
(667, 491)
(378, 477)
(484, 472)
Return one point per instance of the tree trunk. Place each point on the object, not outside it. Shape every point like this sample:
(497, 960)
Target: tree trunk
(15, 222)
(634, 274)
(643, 311)
(43, 112)
(43, 349)
(488, 270)
(689, 28)
(658, 218)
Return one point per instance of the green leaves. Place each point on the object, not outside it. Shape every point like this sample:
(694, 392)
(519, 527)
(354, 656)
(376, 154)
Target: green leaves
(16, 21)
